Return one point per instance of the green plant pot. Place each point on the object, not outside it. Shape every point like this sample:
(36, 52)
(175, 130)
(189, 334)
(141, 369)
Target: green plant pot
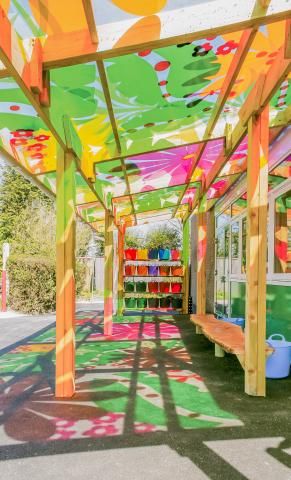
(165, 302)
(130, 302)
(141, 287)
(129, 286)
(142, 302)
(177, 303)
(153, 303)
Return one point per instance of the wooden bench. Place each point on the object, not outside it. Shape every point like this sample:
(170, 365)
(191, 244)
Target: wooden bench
(226, 336)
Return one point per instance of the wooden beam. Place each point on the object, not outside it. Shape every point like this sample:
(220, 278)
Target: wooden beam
(201, 263)
(200, 23)
(89, 13)
(45, 94)
(256, 255)
(108, 275)
(121, 235)
(35, 64)
(245, 43)
(230, 78)
(4, 73)
(265, 87)
(186, 254)
(106, 91)
(288, 39)
(18, 68)
(65, 293)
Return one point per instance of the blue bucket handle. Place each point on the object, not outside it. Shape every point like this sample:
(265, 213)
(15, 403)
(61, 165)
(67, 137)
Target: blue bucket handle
(277, 335)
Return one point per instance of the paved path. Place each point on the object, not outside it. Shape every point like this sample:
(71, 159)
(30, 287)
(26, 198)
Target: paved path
(252, 441)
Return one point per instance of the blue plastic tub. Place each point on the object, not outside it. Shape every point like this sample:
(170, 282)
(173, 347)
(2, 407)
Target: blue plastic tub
(240, 322)
(278, 363)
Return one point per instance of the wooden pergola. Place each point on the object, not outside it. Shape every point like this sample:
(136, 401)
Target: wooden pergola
(136, 113)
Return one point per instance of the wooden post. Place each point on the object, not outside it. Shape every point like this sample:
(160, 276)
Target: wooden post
(121, 235)
(201, 264)
(108, 274)
(257, 202)
(65, 272)
(186, 247)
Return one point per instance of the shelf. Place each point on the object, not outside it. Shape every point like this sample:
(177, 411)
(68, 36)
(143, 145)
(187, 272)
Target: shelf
(165, 263)
(153, 276)
(148, 295)
(157, 309)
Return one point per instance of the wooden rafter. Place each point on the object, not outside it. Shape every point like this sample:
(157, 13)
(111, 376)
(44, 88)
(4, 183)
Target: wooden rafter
(230, 78)
(145, 152)
(74, 52)
(288, 39)
(106, 91)
(16, 72)
(89, 13)
(265, 88)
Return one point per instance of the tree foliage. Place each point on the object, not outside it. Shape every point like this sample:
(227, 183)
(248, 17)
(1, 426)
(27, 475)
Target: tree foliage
(28, 223)
(15, 194)
(167, 235)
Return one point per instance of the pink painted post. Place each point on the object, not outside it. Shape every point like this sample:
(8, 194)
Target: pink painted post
(5, 255)
(4, 285)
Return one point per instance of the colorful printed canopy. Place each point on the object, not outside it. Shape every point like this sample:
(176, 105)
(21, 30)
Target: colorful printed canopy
(144, 100)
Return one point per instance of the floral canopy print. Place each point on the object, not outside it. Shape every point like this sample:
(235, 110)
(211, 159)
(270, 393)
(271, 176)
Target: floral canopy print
(146, 125)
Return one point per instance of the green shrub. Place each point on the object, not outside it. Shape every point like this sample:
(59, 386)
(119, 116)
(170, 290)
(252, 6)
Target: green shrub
(32, 281)
(80, 278)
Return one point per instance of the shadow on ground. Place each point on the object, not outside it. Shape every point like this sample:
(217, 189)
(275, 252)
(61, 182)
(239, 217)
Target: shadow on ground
(154, 382)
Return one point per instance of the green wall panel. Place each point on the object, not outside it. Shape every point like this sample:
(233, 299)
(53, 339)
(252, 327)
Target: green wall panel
(278, 307)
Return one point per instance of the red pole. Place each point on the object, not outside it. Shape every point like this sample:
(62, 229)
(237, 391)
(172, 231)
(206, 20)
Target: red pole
(4, 303)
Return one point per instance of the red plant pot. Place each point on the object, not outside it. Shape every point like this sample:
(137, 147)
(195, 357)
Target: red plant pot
(142, 270)
(164, 271)
(175, 254)
(130, 269)
(165, 287)
(153, 287)
(176, 287)
(130, 253)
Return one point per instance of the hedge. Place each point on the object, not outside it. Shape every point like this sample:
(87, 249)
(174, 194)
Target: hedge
(32, 284)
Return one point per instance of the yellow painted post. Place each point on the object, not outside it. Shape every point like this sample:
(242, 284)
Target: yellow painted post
(65, 273)
(186, 247)
(201, 263)
(121, 235)
(108, 274)
(256, 258)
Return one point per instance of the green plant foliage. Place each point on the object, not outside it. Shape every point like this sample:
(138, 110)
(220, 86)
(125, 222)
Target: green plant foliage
(15, 194)
(167, 236)
(133, 241)
(32, 283)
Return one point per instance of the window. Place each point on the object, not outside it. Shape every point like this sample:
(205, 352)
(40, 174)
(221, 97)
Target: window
(244, 246)
(282, 233)
(235, 266)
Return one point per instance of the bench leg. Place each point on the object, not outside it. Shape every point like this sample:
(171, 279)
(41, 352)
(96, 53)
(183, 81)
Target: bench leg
(218, 351)
(198, 330)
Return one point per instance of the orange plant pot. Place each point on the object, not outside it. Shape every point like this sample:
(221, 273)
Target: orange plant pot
(142, 270)
(177, 271)
(164, 271)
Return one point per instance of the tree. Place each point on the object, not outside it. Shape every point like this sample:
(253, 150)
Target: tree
(15, 194)
(165, 236)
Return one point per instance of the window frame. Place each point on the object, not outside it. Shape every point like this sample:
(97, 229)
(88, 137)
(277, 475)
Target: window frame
(273, 277)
